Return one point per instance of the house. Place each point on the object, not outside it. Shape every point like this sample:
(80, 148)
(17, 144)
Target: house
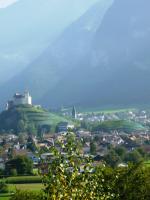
(86, 148)
(84, 134)
(34, 158)
(46, 156)
(64, 126)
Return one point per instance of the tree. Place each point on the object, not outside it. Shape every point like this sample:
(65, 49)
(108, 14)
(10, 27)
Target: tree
(13, 172)
(133, 157)
(63, 179)
(21, 127)
(31, 144)
(22, 164)
(112, 159)
(31, 129)
(121, 151)
(21, 139)
(142, 152)
(92, 148)
(132, 182)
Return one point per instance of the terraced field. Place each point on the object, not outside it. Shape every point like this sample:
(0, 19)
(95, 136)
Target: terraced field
(10, 119)
(40, 116)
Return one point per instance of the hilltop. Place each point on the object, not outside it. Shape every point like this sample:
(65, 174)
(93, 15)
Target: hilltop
(28, 117)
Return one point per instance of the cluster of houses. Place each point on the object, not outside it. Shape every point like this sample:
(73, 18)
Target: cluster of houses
(141, 116)
(15, 145)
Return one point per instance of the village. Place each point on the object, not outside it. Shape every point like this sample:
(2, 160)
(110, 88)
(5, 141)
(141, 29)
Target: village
(94, 142)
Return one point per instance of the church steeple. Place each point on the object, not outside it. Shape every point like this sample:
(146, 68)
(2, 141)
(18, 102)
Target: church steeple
(74, 114)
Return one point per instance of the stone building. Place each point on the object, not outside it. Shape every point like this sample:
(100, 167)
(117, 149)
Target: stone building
(20, 99)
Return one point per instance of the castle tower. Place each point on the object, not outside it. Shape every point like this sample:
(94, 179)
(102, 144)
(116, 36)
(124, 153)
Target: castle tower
(74, 114)
(27, 98)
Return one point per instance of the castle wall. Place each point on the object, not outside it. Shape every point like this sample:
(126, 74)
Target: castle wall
(26, 99)
(18, 101)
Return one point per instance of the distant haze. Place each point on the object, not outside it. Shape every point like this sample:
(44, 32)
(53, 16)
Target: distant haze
(5, 3)
(29, 26)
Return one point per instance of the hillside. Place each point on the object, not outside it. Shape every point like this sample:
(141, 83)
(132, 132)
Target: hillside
(119, 125)
(115, 70)
(27, 117)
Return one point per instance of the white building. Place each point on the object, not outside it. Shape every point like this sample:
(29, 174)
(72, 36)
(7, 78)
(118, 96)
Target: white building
(20, 99)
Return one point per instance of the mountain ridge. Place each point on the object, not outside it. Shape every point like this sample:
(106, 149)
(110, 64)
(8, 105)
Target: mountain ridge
(27, 27)
(105, 66)
(53, 69)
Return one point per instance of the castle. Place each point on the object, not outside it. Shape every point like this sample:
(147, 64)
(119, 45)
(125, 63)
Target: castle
(20, 99)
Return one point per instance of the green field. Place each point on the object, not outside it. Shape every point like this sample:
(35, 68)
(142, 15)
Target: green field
(4, 197)
(147, 163)
(29, 183)
(120, 125)
(107, 111)
(40, 116)
(29, 187)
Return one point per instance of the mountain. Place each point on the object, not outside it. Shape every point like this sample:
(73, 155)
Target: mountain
(27, 27)
(101, 59)
(46, 71)
(115, 70)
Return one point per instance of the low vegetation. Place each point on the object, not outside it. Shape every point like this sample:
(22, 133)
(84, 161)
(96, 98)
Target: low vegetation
(23, 180)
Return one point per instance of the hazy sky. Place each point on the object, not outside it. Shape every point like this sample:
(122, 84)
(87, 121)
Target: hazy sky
(5, 3)
(29, 26)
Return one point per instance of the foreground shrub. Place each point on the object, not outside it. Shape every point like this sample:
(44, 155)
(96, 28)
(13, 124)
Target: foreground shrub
(23, 179)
